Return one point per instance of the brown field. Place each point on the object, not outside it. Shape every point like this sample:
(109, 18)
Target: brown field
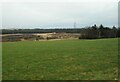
(38, 37)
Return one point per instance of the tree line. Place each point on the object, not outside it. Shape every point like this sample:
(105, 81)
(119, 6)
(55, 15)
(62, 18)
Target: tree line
(91, 32)
(27, 31)
(95, 31)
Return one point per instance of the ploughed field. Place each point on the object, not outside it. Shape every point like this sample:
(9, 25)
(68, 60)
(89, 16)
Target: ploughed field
(60, 60)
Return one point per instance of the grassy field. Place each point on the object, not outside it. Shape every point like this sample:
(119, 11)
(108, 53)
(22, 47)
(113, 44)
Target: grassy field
(61, 60)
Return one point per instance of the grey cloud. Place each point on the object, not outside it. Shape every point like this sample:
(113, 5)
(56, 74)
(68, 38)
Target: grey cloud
(54, 14)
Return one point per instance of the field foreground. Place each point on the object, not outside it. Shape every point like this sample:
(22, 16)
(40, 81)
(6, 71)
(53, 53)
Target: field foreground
(61, 60)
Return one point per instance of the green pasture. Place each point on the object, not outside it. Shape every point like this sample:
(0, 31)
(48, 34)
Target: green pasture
(60, 60)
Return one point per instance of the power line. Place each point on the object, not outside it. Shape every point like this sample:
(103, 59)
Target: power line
(74, 25)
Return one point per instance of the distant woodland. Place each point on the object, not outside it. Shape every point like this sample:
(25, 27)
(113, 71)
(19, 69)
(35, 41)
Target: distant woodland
(91, 32)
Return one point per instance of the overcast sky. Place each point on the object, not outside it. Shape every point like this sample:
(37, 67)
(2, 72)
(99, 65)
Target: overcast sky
(56, 14)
